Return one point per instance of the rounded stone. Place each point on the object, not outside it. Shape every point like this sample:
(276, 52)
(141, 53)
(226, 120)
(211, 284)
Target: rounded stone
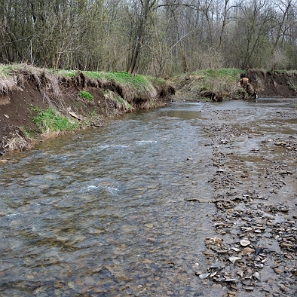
(244, 242)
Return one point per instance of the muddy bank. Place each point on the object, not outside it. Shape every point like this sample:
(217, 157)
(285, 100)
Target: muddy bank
(221, 85)
(254, 153)
(273, 83)
(31, 89)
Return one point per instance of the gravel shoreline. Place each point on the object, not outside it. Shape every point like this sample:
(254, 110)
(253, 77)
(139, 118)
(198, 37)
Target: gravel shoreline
(255, 156)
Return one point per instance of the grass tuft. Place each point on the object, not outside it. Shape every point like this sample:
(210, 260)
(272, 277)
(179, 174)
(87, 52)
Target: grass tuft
(67, 73)
(7, 81)
(86, 95)
(50, 120)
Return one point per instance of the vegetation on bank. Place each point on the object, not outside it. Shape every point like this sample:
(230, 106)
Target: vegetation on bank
(50, 120)
(86, 95)
(220, 84)
(36, 101)
(51, 101)
(224, 84)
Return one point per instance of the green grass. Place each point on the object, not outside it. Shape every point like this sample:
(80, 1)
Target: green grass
(292, 85)
(26, 133)
(138, 81)
(67, 73)
(122, 101)
(93, 113)
(220, 72)
(86, 95)
(50, 120)
(8, 70)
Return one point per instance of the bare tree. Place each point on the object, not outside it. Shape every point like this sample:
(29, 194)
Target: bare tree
(282, 20)
(149, 36)
(146, 8)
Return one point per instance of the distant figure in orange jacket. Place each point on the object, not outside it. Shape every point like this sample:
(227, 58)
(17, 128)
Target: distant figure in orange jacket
(244, 82)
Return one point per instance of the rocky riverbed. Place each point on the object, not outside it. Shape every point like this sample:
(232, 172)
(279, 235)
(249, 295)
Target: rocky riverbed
(255, 188)
(195, 199)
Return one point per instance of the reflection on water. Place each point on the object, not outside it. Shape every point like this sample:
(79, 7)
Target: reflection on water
(185, 112)
(103, 212)
(277, 102)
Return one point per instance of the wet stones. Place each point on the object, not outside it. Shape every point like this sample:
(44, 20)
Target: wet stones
(255, 226)
(213, 241)
(247, 251)
(234, 259)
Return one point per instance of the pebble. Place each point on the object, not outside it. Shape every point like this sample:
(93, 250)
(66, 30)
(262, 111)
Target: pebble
(278, 270)
(209, 253)
(214, 240)
(204, 276)
(282, 287)
(257, 276)
(244, 242)
(247, 251)
(234, 259)
(235, 249)
(217, 286)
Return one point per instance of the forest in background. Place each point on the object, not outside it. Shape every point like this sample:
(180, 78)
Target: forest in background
(154, 37)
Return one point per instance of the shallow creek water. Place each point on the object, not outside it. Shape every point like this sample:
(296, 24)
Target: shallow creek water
(113, 211)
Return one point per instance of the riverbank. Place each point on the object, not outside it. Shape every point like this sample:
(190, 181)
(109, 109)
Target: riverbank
(37, 104)
(223, 84)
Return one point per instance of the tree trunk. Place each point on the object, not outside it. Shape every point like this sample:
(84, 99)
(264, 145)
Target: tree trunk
(146, 8)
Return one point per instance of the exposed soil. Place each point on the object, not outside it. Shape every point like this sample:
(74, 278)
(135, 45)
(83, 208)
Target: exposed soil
(261, 84)
(62, 94)
(273, 84)
(16, 115)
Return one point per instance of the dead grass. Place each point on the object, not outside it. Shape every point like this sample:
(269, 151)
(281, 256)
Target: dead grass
(7, 82)
(16, 75)
(17, 143)
(221, 82)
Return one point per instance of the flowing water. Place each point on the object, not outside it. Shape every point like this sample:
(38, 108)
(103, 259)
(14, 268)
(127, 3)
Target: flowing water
(121, 210)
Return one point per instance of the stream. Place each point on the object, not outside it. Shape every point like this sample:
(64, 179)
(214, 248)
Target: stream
(121, 210)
